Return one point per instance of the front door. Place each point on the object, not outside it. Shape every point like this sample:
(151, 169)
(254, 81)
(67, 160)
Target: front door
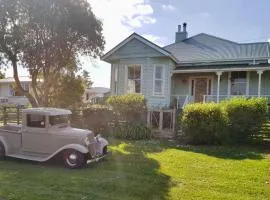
(200, 89)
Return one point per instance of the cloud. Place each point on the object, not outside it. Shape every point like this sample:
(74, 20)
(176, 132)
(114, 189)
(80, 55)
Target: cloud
(161, 41)
(268, 40)
(120, 18)
(168, 7)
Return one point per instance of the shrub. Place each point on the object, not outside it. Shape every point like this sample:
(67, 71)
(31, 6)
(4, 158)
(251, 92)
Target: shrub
(97, 118)
(130, 110)
(203, 123)
(234, 121)
(132, 132)
(130, 107)
(245, 117)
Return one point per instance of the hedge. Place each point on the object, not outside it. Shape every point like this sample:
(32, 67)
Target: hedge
(234, 121)
(130, 111)
(203, 123)
(245, 118)
(130, 107)
(98, 118)
(132, 132)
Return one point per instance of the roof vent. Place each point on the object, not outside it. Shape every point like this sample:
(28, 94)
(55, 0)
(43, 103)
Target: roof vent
(181, 35)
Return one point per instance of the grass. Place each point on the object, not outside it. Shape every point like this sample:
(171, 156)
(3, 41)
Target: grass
(145, 170)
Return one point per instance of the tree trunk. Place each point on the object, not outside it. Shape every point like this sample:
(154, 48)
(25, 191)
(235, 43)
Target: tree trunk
(19, 87)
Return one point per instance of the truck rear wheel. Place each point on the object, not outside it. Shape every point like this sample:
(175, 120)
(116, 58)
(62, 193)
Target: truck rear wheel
(73, 159)
(2, 151)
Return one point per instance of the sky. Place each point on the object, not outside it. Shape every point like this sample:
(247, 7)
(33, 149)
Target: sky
(157, 20)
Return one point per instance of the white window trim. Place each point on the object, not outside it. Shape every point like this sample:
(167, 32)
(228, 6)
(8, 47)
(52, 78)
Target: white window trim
(247, 83)
(126, 78)
(162, 79)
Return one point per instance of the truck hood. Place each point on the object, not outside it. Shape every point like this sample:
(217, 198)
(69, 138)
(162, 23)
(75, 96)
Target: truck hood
(73, 132)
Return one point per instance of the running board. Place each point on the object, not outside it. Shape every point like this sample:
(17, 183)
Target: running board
(41, 158)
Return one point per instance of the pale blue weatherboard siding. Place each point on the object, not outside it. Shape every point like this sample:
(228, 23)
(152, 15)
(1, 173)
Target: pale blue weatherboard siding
(135, 52)
(135, 49)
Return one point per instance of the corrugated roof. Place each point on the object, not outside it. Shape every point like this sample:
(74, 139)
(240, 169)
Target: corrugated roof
(99, 90)
(47, 111)
(204, 47)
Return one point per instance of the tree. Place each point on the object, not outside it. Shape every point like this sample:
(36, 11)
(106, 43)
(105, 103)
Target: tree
(87, 80)
(13, 18)
(2, 75)
(69, 92)
(47, 37)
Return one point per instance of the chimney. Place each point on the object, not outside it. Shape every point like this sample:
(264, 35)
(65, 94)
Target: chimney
(181, 35)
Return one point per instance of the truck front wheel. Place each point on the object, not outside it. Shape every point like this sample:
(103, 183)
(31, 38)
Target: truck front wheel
(2, 151)
(73, 159)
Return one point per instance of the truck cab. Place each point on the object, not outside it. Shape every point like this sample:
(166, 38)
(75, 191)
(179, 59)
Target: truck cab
(45, 133)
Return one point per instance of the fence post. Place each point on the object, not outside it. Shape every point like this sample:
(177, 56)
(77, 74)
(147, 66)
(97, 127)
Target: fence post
(18, 115)
(5, 115)
(149, 118)
(160, 120)
(174, 120)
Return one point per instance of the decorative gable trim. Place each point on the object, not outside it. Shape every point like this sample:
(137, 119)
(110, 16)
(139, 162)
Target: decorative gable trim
(141, 39)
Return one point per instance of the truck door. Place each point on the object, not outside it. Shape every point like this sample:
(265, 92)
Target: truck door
(35, 136)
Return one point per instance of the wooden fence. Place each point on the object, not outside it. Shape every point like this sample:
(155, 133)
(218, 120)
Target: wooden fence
(10, 114)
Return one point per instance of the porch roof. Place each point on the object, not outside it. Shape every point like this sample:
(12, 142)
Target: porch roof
(222, 68)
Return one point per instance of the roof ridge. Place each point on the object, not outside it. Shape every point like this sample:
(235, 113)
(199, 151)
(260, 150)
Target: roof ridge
(217, 37)
(254, 43)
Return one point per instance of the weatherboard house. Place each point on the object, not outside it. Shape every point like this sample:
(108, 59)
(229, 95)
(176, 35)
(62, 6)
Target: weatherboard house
(201, 68)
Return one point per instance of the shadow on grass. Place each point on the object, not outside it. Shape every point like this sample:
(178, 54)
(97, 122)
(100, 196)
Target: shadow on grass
(126, 174)
(253, 151)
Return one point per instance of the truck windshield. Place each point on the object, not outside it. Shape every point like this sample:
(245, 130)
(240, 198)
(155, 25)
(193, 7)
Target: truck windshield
(59, 120)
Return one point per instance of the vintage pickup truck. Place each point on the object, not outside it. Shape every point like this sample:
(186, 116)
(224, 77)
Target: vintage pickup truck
(46, 133)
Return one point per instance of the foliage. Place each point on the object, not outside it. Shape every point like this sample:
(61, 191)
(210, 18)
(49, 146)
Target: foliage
(234, 121)
(130, 107)
(87, 79)
(68, 92)
(97, 118)
(132, 132)
(245, 117)
(47, 37)
(146, 170)
(203, 123)
(2, 75)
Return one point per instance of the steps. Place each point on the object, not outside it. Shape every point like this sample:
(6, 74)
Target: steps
(265, 130)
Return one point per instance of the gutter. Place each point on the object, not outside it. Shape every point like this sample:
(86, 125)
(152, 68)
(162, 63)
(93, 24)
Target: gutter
(221, 70)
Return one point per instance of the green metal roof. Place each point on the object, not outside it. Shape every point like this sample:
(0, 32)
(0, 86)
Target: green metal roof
(204, 48)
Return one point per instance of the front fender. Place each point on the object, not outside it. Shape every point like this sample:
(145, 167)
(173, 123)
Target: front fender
(3, 141)
(103, 142)
(77, 147)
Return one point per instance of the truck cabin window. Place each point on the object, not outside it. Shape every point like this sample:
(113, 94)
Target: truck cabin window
(62, 120)
(36, 121)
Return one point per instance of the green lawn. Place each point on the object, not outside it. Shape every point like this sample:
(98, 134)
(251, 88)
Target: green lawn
(145, 170)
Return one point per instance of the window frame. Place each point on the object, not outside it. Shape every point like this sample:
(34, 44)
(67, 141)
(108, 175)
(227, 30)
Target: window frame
(127, 78)
(162, 79)
(27, 121)
(233, 83)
